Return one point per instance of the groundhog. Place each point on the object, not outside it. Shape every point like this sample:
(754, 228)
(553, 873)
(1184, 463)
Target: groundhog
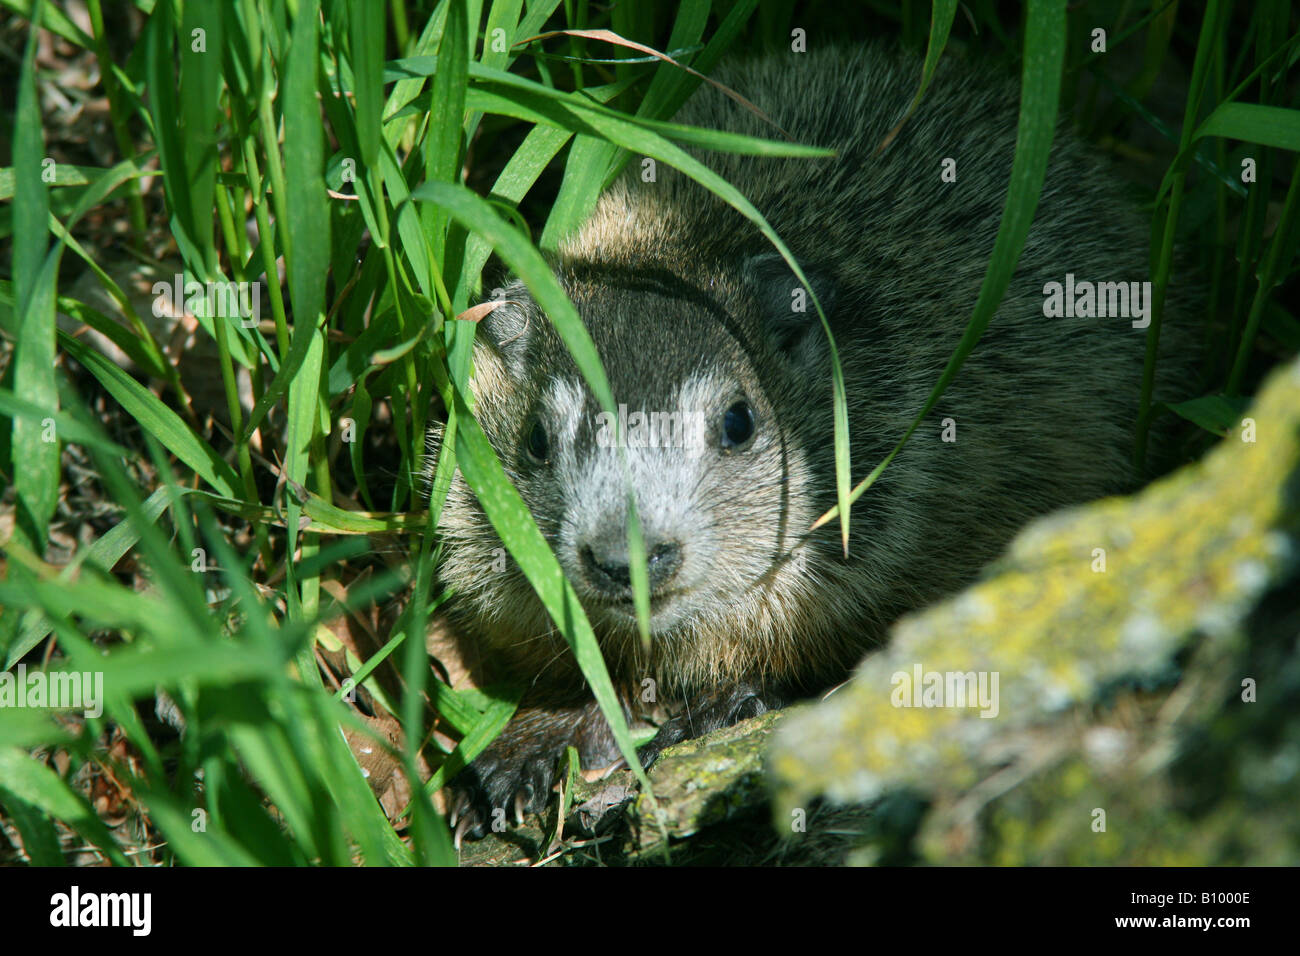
(697, 320)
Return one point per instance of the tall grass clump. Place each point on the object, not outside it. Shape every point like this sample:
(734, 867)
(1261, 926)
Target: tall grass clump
(352, 168)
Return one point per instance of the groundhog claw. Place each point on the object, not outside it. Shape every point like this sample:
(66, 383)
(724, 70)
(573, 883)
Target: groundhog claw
(495, 788)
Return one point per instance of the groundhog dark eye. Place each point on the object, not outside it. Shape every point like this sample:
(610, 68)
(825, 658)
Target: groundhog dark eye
(536, 444)
(737, 425)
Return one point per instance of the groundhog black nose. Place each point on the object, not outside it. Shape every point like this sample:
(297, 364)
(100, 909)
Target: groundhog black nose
(608, 568)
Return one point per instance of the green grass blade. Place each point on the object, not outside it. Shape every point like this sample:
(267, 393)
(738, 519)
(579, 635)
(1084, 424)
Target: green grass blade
(103, 554)
(40, 786)
(1215, 413)
(941, 16)
(1253, 123)
(53, 19)
(527, 163)
(33, 443)
(160, 43)
(1249, 122)
(447, 109)
(514, 524)
(475, 214)
(638, 139)
(688, 28)
(40, 838)
(66, 175)
(483, 732)
(366, 32)
(156, 418)
(201, 26)
(1165, 229)
(210, 848)
(503, 15)
(309, 222)
(306, 200)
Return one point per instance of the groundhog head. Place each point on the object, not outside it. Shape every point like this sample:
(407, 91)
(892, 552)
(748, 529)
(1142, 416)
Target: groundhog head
(723, 396)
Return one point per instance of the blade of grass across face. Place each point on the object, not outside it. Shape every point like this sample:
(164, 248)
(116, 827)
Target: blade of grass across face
(518, 532)
(535, 103)
(505, 509)
(528, 103)
(475, 214)
(1040, 86)
(466, 208)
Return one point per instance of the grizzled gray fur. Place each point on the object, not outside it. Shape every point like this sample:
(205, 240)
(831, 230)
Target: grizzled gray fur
(691, 311)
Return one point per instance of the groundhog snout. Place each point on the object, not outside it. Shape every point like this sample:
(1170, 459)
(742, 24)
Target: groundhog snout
(608, 569)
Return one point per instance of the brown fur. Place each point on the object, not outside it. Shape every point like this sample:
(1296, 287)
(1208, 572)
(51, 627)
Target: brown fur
(676, 287)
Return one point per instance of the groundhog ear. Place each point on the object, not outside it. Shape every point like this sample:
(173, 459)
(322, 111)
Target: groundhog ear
(507, 327)
(787, 309)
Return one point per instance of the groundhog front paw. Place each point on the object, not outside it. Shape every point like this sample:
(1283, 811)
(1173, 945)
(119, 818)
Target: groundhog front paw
(709, 713)
(514, 775)
(499, 788)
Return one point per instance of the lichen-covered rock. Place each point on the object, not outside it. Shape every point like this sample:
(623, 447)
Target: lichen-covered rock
(1116, 689)
(705, 781)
